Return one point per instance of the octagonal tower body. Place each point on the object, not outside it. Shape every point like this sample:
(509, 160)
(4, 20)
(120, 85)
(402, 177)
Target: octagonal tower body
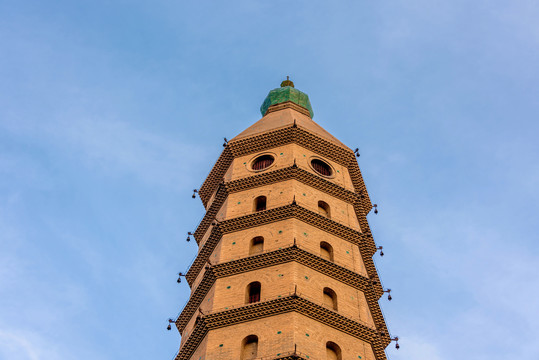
(284, 268)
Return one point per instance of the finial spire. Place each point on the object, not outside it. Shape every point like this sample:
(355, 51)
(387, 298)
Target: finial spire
(287, 82)
(284, 94)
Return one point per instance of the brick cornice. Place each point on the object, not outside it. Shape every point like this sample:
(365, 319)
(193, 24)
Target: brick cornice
(291, 211)
(292, 172)
(209, 216)
(204, 254)
(271, 139)
(271, 177)
(281, 256)
(195, 300)
(292, 303)
(362, 240)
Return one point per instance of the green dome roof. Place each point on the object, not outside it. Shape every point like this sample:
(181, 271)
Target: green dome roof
(286, 93)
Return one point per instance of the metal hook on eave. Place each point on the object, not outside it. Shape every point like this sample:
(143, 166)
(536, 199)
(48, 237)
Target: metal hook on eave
(180, 275)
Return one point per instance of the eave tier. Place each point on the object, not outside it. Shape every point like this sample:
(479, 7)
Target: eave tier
(293, 210)
(271, 177)
(283, 136)
(364, 241)
(281, 256)
(292, 303)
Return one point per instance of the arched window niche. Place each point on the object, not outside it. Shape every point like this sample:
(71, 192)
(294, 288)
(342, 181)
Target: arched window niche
(323, 209)
(252, 293)
(260, 203)
(256, 246)
(333, 351)
(330, 298)
(326, 251)
(249, 347)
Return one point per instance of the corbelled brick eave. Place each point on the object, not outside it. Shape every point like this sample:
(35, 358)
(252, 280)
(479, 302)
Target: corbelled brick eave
(281, 256)
(362, 240)
(292, 303)
(271, 139)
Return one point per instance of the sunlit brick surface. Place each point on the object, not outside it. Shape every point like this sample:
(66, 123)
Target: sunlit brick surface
(309, 250)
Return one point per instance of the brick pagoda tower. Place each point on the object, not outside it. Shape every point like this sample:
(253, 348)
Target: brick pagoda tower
(284, 268)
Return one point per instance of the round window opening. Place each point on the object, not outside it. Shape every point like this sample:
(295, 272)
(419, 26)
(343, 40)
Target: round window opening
(321, 167)
(262, 162)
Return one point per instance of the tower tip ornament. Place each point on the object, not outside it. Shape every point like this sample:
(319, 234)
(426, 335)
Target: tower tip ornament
(287, 93)
(287, 82)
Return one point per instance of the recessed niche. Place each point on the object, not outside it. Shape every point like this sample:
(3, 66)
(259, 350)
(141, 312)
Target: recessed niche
(262, 162)
(321, 167)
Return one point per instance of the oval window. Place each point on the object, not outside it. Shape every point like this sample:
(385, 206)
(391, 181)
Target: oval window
(321, 167)
(262, 162)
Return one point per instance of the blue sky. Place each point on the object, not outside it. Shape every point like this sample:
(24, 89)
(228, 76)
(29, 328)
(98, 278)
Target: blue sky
(111, 112)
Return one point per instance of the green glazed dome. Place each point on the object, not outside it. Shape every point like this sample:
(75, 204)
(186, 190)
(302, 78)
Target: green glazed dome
(285, 93)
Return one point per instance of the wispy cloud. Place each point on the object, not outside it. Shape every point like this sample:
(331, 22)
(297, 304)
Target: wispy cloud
(415, 347)
(115, 148)
(485, 279)
(440, 96)
(17, 346)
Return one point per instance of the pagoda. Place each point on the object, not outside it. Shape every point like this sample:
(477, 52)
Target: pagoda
(284, 268)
